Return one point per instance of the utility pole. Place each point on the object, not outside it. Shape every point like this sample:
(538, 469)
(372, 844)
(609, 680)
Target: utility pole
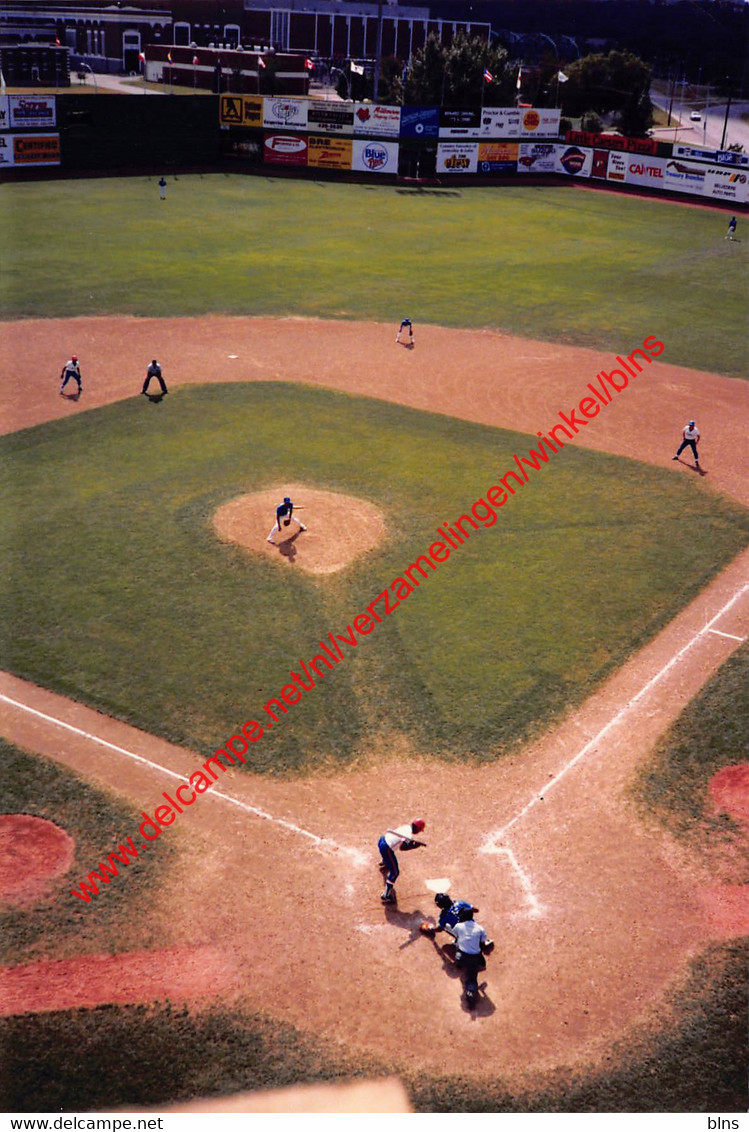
(378, 60)
(725, 120)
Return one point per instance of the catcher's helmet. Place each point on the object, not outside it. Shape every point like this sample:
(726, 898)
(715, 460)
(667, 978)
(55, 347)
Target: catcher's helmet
(442, 900)
(418, 825)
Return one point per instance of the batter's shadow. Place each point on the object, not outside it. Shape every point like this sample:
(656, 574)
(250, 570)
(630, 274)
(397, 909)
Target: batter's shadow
(408, 921)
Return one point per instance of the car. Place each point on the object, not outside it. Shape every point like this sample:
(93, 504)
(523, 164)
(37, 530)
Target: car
(695, 116)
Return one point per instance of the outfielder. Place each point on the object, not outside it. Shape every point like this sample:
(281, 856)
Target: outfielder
(400, 838)
(71, 369)
(691, 435)
(284, 514)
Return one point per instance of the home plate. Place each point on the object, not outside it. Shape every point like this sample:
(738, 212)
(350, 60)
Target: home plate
(441, 884)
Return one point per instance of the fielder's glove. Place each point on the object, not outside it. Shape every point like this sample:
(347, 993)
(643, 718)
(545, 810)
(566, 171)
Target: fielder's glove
(427, 929)
(286, 522)
(411, 845)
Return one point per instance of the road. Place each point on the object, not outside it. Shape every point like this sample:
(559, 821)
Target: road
(708, 133)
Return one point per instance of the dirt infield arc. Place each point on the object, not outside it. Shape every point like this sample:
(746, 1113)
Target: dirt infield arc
(595, 915)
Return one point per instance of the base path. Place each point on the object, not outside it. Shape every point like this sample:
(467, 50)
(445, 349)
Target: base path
(595, 915)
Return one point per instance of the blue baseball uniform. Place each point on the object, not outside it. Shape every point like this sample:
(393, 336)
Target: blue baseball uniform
(449, 916)
(406, 324)
(285, 511)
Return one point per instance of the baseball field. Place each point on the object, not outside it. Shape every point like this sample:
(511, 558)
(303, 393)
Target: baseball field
(560, 692)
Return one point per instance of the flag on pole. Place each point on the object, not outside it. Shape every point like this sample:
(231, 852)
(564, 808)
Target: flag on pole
(261, 62)
(3, 87)
(356, 69)
(169, 58)
(488, 76)
(309, 64)
(520, 76)
(195, 60)
(141, 58)
(562, 78)
(57, 41)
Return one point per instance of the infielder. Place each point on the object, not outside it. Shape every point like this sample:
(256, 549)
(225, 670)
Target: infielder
(406, 324)
(471, 941)
(71, 369)
(284, 514)
(691, 435)
(154, 370)
(400, 838)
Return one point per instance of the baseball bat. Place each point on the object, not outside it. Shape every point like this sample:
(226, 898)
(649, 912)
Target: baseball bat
(395, 833)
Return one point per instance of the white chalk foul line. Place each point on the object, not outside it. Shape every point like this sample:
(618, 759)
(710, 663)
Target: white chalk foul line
(493, 841)
(535, 908)
(357, 857)
(731, 636)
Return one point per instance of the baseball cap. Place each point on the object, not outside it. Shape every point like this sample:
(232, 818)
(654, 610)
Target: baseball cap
(691, 424)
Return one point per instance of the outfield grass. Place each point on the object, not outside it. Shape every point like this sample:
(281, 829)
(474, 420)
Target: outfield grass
(712, 732)
(86, 1060)
(119, 594)
(59, 925)
(592, 268)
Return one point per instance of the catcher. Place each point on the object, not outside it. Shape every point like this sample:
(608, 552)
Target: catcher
(284, 515)
(471, 942)
(400, 838)
(449, 914)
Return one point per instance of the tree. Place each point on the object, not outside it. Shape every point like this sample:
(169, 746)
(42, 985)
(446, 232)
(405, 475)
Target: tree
(617, 83)
(453, 75)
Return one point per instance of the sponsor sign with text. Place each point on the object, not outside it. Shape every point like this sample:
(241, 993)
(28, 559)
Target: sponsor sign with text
(375, 156)
(712, 156)
(36, 149)
(727, 184)
(420, 122)
(537, 157)
(285, 113)
(457, 157)
(464, 122)
(32, 111)
(330, 117)
(573, 160)
(285, 149)
(498, 157)
(329, 153)
(240, 110)
(377, 121)
(617, 170)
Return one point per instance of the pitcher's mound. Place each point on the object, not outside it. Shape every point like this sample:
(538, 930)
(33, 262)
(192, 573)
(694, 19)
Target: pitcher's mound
(32, 852)
(340, 528)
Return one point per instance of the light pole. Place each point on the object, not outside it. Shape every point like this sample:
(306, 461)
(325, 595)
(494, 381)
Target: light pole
(85, 67)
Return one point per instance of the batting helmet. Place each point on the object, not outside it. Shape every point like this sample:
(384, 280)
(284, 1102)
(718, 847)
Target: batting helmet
(74, 358)
(418, 825)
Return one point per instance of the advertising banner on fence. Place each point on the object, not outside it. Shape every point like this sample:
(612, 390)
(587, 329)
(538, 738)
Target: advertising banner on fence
(285, 149)
(727, 184)
(4, 112)
(377, 121)
(457, 157)
(6, 150)
(329, 153)
(240, 110)
(648, 171)
(285, 113)
(616, 141)
(32, 111)
(330, 117)
(617, 170)
(683, 177)
(711, 156)
(600, 165)
(573, 160)
(36, 149)
(537, 157)
(460, 123)
(420, 122)
(374, 157)
(518, 122)
(498, 157)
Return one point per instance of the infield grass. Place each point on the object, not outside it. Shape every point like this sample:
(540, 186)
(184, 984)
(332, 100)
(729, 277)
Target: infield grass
(562, 264)
(119, 594)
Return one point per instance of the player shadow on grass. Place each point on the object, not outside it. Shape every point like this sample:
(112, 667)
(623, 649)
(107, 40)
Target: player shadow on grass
(692, 467)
